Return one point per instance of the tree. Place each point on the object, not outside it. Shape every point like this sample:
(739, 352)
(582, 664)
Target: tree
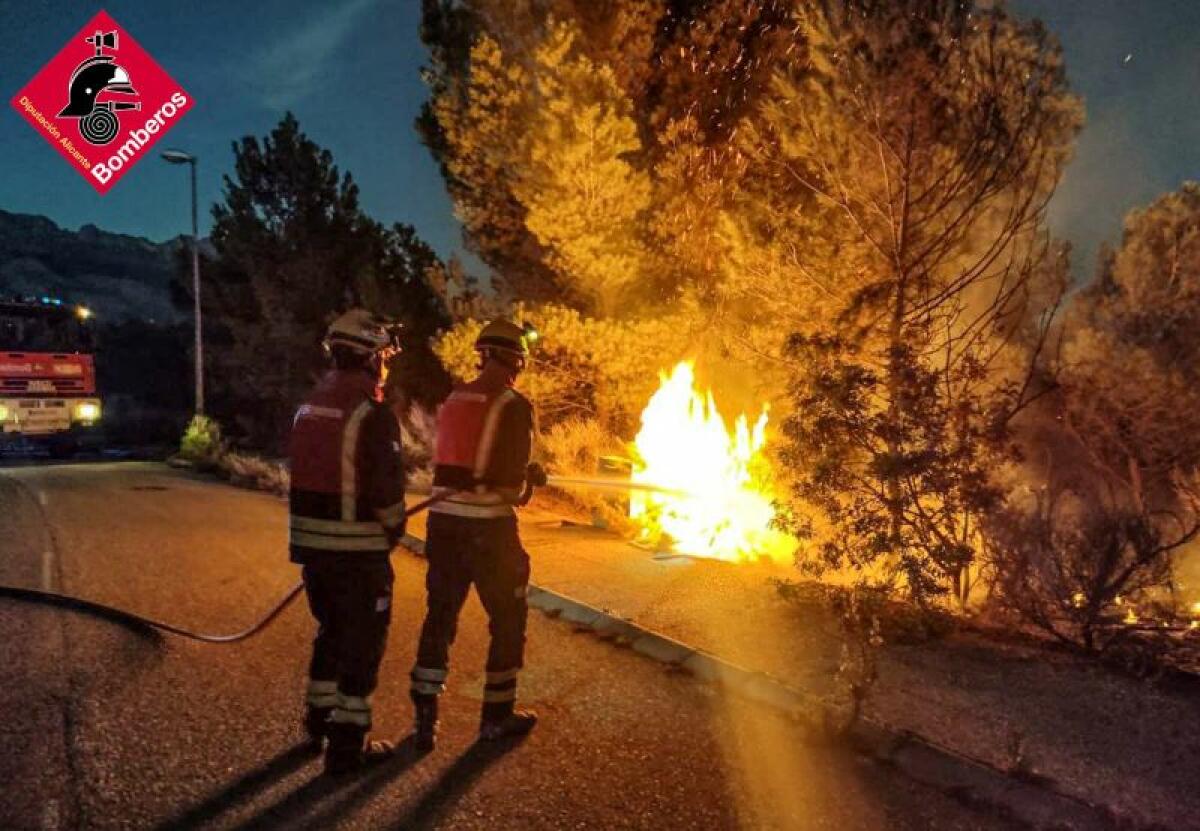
(293, 249)
(679, 73)
(1115, 449)
(846, 197)
(400, 281)
(581, 367)
(1148, 292)
(920, 143)
(584, 200)
(1128, 372)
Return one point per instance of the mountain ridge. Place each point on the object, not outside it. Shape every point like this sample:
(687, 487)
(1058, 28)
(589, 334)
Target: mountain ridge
(118, 276)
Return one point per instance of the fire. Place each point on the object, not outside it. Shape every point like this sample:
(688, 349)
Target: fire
(725, 508)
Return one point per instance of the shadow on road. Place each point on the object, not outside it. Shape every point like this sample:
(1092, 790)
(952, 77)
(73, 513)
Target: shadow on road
(457, 779)
(303, 808)
(243, 789)
(433, 805)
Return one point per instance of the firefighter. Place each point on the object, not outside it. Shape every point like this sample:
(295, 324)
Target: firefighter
(346, 509)
(481, 465)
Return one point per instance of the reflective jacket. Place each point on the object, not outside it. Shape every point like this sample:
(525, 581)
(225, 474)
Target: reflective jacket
(347, 490)
(484, 438)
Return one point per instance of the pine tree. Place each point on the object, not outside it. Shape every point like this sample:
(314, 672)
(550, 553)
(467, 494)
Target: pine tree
(683, 73)
(922, 141)
(1115, 449)
(584, 199)
(293, 250)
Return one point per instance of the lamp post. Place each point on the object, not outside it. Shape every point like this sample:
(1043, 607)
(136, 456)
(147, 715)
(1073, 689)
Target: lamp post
(180, 157)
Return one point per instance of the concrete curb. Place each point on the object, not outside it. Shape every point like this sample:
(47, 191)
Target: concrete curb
(1037, 805)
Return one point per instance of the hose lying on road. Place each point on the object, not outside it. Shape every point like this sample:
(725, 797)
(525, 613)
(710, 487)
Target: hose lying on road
(138, 621)
(130, 619)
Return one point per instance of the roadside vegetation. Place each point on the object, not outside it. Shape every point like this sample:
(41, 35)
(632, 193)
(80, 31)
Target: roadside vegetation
(836, 208)
(840, 208)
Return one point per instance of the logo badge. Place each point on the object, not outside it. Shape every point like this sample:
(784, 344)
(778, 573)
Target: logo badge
(102, 102)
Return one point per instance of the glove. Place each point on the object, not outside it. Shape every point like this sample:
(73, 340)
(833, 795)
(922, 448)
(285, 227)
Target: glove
(535, 475)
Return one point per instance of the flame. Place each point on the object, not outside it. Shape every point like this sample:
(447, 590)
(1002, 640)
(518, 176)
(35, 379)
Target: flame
(684, 445)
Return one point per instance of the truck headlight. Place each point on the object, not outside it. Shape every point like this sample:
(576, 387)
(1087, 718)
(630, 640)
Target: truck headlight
(87, 412)
(3, 413)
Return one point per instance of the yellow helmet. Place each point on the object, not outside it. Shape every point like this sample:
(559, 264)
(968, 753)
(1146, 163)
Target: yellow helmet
(504, 335)
(361, 331)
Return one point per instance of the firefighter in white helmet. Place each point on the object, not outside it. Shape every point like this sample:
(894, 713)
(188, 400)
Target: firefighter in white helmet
(346, 507)
(481, 461)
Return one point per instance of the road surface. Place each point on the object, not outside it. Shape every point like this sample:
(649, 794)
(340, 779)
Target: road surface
(105, 727)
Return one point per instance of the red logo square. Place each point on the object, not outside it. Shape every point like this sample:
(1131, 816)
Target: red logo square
(102, 102)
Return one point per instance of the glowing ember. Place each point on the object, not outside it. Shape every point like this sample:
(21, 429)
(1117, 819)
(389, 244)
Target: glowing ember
(684, 445)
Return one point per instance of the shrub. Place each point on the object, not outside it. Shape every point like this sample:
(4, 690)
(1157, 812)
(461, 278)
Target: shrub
(1076, 566)
(255, 472)
(202, 443)
(862, 613)
(418, 432)
(575, 447)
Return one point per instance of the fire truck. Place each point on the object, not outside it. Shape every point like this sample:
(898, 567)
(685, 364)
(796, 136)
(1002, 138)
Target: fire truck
(47, 376)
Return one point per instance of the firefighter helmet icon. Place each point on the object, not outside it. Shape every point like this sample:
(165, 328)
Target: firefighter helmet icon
(98, 122)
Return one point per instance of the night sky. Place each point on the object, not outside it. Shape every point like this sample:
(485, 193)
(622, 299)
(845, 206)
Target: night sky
(349, 71)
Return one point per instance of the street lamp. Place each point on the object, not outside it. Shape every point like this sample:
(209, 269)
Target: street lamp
(180, 157)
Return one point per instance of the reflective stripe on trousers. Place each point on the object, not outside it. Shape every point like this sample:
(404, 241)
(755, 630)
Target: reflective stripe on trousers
(352, 709)
(427, 681)
(321, 694)
(336, 535)
(500, 686)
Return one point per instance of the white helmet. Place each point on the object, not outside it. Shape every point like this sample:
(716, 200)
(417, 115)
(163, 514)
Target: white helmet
(361, 331)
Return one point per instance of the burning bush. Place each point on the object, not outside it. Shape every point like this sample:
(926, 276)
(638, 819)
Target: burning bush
(1079, 565)
(718, 498)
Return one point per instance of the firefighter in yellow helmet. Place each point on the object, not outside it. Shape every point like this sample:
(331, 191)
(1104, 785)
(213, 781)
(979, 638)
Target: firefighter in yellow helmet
(481, 461)
(346, 512)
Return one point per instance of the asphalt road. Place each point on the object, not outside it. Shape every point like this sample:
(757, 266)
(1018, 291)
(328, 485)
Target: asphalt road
(105, 727)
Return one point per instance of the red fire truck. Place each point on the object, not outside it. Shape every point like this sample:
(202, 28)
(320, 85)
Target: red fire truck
(47, 375)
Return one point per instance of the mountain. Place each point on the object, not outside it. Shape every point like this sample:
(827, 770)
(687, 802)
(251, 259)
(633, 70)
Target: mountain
(116, 275)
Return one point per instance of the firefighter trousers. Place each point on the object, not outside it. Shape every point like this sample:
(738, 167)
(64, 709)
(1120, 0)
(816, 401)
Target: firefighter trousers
(487, 553)
(351, 600)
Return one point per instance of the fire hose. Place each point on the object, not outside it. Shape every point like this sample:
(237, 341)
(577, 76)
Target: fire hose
(130, 619)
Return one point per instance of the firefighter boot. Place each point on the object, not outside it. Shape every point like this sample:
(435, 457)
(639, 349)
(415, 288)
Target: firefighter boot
(502, 721)
(426, 723)
(316, 725)
(350, 750)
